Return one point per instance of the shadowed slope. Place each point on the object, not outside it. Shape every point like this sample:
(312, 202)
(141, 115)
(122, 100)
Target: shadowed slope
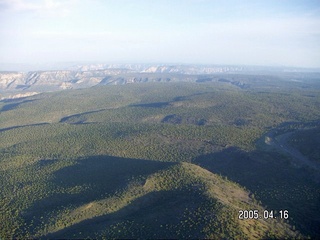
(182, 201)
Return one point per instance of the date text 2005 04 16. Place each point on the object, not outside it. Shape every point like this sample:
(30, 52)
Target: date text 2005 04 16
(266, 214)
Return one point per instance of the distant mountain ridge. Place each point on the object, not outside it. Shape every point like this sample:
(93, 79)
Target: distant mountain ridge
(147, 68)
(15, 84)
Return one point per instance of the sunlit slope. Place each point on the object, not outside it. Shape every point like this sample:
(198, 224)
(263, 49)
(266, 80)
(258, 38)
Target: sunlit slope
(183, 201)
(274, 180)
(114, 197)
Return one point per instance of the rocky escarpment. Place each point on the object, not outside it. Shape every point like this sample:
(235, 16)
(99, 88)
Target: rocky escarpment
(17, 84)
(62, 79)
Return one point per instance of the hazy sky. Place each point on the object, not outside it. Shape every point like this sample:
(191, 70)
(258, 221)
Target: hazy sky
(281, 32)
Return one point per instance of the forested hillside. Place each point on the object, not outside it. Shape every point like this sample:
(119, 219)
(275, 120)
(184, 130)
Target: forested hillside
(163, 160)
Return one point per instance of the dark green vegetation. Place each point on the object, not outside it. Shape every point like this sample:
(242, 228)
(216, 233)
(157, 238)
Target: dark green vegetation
(306, 141)
(162, 160)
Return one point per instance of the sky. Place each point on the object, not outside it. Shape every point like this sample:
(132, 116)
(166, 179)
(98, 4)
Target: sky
(256, 32)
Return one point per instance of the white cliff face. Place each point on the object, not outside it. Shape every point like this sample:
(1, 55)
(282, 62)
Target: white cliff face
(90, 75)
(8, 79)
(53, 80)
(185, 69)
(19, 95)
